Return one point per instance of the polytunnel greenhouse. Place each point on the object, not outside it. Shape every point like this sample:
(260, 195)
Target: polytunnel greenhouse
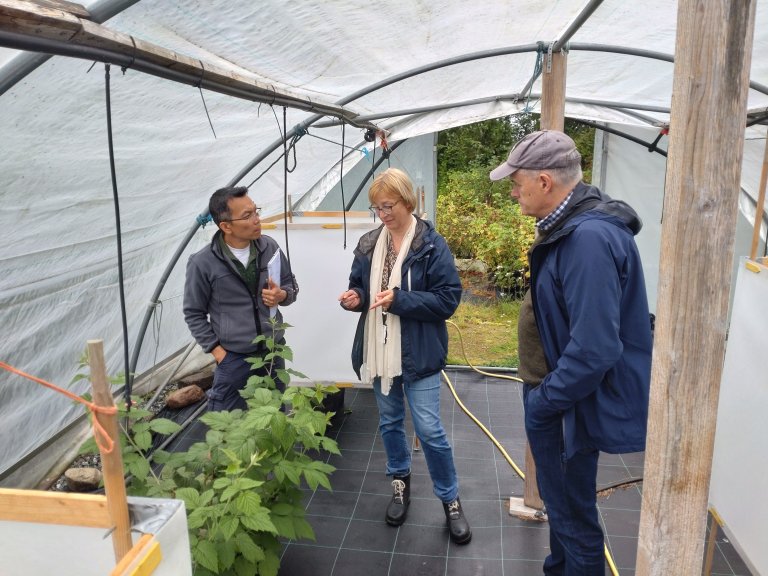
(120, 118)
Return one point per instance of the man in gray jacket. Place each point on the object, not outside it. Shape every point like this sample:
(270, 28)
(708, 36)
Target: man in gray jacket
(229, 293)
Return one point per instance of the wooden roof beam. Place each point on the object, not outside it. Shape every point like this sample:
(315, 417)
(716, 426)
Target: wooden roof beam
(42, 28)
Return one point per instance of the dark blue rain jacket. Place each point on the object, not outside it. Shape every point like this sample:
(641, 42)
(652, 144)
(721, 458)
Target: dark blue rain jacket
(588, 294)
(429, 294)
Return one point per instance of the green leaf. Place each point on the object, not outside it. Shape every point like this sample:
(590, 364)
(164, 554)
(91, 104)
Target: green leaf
(247, 483)
(269, 566)
(219, 420)
(228, 493)
(259, 338)
(262, 397)
(164, 426)
(297, 373)
(248, 548)
(259, 522)
(330, 445)
(303, 529)
(139, 427)
(206, 497)
(143, 440)
(228, 526)
(232, 455)
(197, 518)
(190, 496)
(206, 555)
(243, 567)
(286, 469)
(226, 554)
(221, 483)
(284, 525)
(137, 465)
(282, 509)
(283, 375)
(314, 478)
(248, 503)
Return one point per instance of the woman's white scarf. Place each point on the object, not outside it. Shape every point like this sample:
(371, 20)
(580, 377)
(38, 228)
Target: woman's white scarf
(381, 343)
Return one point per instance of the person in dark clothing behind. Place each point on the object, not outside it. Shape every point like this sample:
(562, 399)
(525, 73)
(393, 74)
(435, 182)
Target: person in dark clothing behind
(584, 337)
(228, 295)
(405, 284)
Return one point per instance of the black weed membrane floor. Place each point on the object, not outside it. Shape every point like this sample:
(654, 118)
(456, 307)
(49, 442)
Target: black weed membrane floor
(352, 538)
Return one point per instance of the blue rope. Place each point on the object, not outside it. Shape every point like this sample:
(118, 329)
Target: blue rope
(203, 219)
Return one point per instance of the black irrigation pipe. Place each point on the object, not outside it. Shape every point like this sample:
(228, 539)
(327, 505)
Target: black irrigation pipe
(650, 146)
(367, 177)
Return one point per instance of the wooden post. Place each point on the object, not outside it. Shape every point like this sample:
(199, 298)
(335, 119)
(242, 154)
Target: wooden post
(552, 118)
(709, 95)
(759, 208)
(112, 463)
(553, 91)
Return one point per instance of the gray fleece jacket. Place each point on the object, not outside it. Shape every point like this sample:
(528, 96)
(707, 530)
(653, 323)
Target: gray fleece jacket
(218, 306)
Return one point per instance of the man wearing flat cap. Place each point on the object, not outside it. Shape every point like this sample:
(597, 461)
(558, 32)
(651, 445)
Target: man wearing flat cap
(584, 340)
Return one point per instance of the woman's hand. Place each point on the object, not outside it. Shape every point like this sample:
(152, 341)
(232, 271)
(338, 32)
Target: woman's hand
(349, 300)
(384, 299)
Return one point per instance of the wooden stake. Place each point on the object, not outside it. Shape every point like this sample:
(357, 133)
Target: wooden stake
(760, 207)
(112, 463)
(709, 95)
(552, 118)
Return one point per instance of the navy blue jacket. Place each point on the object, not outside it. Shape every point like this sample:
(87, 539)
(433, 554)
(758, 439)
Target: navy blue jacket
(589, 299)
(429, 294)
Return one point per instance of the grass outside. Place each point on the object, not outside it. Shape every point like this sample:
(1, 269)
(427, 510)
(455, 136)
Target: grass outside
(488, 327)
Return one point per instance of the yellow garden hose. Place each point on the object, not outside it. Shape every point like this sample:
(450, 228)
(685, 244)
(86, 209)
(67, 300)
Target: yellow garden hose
(515, 467)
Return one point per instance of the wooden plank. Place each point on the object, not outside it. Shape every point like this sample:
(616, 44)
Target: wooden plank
(88, 510)
(318, 214)
(709, 95)
(47, 23)
(29, 18)
(142, 560)
(111, 462)
(71, 7)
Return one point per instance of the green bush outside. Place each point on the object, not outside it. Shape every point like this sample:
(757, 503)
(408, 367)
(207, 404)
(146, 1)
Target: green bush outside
(479, 221)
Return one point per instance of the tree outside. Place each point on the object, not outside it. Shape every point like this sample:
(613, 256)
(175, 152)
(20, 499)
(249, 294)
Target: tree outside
(480, 221)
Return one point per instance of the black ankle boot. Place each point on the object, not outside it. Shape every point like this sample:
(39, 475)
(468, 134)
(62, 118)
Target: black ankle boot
(457, 524)
(401, 498)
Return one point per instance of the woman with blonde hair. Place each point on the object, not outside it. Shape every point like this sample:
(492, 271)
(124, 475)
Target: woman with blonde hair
(405, 284)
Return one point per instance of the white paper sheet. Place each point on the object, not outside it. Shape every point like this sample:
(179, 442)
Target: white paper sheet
(273, 269)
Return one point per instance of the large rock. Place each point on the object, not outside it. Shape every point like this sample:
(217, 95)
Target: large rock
(83, 479)
(185, 396)
(471, 265)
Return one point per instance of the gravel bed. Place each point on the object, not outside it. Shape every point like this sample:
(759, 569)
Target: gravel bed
(94, 460)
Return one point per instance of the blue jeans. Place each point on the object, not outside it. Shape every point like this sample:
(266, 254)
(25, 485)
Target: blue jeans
(424, 401)
(231, 376)
(569, 491)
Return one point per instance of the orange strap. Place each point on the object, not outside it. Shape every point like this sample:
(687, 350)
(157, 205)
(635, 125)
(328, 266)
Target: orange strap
(98, 429)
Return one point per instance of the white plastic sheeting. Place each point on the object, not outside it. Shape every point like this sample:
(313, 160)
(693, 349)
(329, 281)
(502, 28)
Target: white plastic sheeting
(58, 285)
